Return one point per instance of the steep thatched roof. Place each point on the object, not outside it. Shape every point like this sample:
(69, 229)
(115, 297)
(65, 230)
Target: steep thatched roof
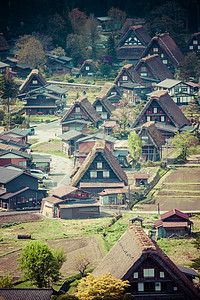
(155, 135)
(34, 73)
(106, 103)
(100, 146)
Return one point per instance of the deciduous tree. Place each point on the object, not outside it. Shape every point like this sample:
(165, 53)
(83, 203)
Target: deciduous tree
(6, 281)
(8, 89)
(59, 51)
(135, 145)
(81, 262)
(192, 111)
(101, 285)
(117, 18)
(78, 20)
(92, 34)
(190, 68)
(40, 264)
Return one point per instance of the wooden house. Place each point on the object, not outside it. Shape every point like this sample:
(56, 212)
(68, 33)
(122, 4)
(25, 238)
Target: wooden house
(152, 275)
(88, 68)
(103, 107)
(112, 92)
(3, 67)
(99, 171)
(58, 65)
(85, 144)
(4, 48)
(152, 70)
(68, 202)
(33, 81)
(193, 44)
(127, 74)
(166, 48)
(153, 141)
(141, 179)
(16, 134)
(173, 223)
(104, 23)
(181, 92)
(19, 190)
(22, 70)
(79, 116)
(14, 157)
(113, 196)
(135, 92)
(12, 62)
(132, 44)
(69, 139)
(167, 115)
(109, 127)
(12, 143)
(44, 100)
(129, 22)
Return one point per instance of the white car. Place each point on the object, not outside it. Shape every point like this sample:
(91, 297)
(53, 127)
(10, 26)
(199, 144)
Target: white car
(39, 174)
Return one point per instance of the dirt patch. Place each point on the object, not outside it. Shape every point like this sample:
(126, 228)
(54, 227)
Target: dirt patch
(50, 146)
(20, 218)
(88, 246)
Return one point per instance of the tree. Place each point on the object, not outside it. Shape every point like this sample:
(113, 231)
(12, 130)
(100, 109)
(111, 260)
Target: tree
(59, 51)
(101, 285)
(192, 111)
(135, 145)
(117, 19)
(81, 262)
(8, 89)
(105, 69)
(30, 51)
(190, 68)
(123, 114)
(40, 264)
(78, 20)
(185, 143)
(75, 47)
(92, 34)
(111, 47)
(6, 281)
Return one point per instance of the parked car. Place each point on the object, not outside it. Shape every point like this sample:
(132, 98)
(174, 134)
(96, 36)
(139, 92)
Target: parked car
(39, 174)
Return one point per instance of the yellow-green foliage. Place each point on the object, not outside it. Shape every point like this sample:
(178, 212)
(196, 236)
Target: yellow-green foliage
(101, 285)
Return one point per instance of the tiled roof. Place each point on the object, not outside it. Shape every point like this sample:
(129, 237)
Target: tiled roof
(100, 146)
(26, 293)
(16, 152)
(131, 250)
(174, 212)
(16, 131)
(3, 43)
(71, 134)
(168, 83)
(7, 175)
(156, 66)
(63, 191)
(98, 136)
(9, 195)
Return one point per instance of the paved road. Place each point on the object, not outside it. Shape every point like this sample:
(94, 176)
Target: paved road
(46, 131)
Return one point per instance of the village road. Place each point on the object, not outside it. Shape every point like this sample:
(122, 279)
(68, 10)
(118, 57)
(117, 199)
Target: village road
(46, 131)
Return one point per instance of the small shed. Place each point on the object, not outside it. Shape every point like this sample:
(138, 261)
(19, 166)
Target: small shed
(173, 223)
(113, 196)
(79, 211)
(141, 179)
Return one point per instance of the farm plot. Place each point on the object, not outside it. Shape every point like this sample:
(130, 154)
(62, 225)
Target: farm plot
(180, 190)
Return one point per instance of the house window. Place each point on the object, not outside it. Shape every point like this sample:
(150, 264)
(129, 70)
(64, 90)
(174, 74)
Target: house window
(198, 47)
(162, 119)
(155, 49)
(184, 89)
(124, 78)
(191, 47)
(87, 68)
(99, 108)
(175, 288)
(93, 174)
(22, 163)
(143, 74)
(140, 287)
(195, 42)
(148, 272)
(104, 115)
(143, 69)
(135, 275)
(157, 286)
(162, 275)
(162, 55)
(77, 109)
(148, 118)
(106, 174)
(155, 110)
(99, 165)
(165, 61)
(34, 81)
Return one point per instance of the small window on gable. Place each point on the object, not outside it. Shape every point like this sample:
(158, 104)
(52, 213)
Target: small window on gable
(191, 47)
(99, 165)
(104, 115)
(155, 110)
(165, 61)
(155, 49)
(162, 275)
(143, 69)
(77, 109)
(98, 108)
(143, 74)
(124, 78)
(93, 174)
(135, 275)
(148, 272)
(175, 288)
(140, 287)
(87, 68)
(195, 42)
(34, 81)
(106, 174)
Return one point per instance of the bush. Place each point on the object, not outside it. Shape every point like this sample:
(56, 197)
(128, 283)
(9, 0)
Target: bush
(71, 80)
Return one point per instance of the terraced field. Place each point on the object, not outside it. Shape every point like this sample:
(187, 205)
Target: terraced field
(180, 189)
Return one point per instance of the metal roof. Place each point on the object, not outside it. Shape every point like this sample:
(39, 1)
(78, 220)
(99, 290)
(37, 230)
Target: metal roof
(168, 83)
